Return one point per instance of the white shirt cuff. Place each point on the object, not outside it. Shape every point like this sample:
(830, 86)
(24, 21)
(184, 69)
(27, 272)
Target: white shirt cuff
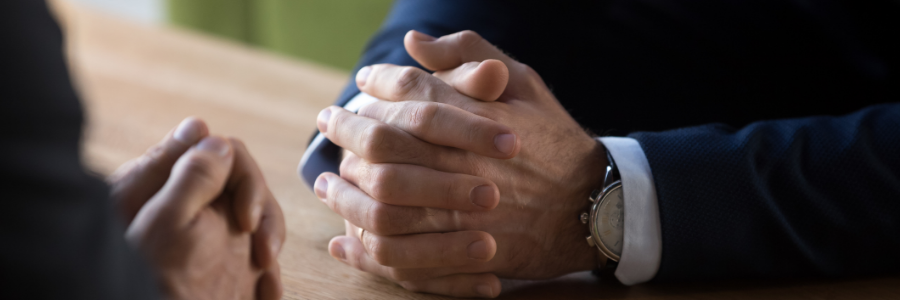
(642, 251)
(317, 159)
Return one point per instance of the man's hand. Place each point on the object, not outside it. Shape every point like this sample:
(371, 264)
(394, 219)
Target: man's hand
(200, 210)
(415, 159)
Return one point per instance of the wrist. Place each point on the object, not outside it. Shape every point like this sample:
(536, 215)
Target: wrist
(591, 172)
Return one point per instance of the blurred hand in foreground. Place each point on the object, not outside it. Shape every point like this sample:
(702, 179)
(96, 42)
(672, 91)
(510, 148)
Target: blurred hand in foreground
(461, 176)
(199, 209)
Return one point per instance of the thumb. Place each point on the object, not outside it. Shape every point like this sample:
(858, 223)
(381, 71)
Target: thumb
(197, 179)
(453, 50)
(485, 80)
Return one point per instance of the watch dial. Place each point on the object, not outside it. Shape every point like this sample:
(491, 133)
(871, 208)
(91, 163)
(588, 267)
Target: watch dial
(610, 225)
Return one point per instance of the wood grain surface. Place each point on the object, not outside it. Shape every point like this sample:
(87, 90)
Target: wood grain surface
(138, 81)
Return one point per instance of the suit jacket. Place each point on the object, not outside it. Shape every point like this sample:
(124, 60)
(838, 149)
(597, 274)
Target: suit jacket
(59, 235)
(786, 164)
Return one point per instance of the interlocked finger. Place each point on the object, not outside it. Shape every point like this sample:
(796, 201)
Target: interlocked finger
(378, 142)
(446, 125)
(430, 250)
(415, 186)
(248, 187)
(383, 219)
(269, 237)
(401, 83)
(269, 285)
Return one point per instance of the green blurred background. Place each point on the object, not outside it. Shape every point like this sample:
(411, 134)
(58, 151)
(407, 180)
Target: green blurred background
(331, 32)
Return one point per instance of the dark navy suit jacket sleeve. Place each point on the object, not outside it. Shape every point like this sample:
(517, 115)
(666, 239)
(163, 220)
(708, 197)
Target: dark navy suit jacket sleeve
(817, 196)
(814, 196)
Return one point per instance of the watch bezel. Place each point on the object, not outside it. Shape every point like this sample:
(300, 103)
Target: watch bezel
(595, 208)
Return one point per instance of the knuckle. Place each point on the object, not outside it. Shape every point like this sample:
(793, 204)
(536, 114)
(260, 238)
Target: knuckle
(381, 181)
(528, 69)
(420, 116)
(375, 142)
(532, 74)
(386, 219)
(379, 221)
(467, 39)
(378, 191)
(199, 167)
(407, 82)
(377, 250)
(144, 163)
(155, 153)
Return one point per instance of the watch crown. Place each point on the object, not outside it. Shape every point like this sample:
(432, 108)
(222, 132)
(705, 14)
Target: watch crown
(591, 241)
(585, 218)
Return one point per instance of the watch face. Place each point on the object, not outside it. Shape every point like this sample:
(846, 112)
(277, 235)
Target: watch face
(609, 221)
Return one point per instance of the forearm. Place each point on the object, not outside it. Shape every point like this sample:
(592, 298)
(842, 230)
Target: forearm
(800, 197)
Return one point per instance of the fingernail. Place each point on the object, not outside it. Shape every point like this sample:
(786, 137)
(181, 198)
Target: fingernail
(478, 250)
(215, 145)
(322, 119)
(188, 131)
(422, 37)
(339, 251)
(362, 75)
(483, 196)
(321, 188)
(485, 290)
(505, 143)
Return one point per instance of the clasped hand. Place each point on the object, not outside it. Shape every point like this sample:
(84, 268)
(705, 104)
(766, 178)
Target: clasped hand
(461, 176)
(199, 210)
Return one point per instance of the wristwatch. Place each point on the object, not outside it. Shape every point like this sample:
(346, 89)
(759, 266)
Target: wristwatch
(606, 218)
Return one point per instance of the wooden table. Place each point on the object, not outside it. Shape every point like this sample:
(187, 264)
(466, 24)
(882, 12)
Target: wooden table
(139, 81)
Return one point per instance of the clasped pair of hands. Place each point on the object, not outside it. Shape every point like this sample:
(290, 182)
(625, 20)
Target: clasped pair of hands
(199, 210)
(457, 177)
